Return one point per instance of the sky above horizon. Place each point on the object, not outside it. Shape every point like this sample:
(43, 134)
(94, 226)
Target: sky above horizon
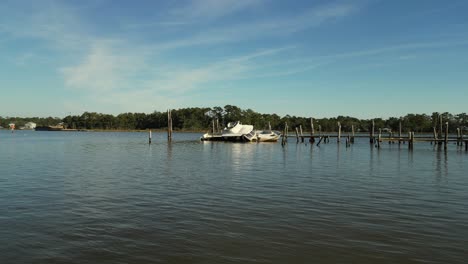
(363, 58)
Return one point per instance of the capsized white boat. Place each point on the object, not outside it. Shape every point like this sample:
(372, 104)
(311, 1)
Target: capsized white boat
(263, 136)
(234, 131)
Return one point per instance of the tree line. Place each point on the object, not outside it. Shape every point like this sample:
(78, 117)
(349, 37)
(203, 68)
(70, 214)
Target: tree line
(200, 119)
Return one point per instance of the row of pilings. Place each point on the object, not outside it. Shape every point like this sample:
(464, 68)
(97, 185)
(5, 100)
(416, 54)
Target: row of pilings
(440, 136)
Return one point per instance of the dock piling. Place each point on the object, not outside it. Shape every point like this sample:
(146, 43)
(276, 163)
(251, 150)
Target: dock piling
(339, 132)
(399, 132)
(302, 135)
(446, 135)
(312, 138)
(169, 125)
(149, 137)
(297, 134)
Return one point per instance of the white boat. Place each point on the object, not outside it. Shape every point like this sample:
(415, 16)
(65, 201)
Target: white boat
(235, 131)
(264, 136)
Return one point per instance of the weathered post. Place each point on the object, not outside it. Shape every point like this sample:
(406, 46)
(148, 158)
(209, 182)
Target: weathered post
(283, 138)
(320, 140)
(372, 132)
(399, 132)
(458, 137)
(302, 135)
(435, 135)
(352, 132)
(446, 135)
(149, 138)
(320, 130)
(380, 138)
(312, 138)
(217, 125)
(169, 125)
(409, 140)
(339, 132)
(440, 128)
(297, 134)
(285, 135)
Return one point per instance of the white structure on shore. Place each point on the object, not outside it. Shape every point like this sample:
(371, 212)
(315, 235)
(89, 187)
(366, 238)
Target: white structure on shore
(30, 125)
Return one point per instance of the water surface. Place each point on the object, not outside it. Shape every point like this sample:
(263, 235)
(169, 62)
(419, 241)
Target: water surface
(86, 197)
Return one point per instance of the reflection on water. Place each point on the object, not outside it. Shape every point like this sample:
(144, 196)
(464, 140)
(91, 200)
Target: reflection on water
(112, 198)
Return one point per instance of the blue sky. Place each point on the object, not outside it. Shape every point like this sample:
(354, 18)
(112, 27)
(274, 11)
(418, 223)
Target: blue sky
(307, 58)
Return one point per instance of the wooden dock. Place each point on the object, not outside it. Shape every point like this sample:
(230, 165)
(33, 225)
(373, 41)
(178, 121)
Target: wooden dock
(440, 136)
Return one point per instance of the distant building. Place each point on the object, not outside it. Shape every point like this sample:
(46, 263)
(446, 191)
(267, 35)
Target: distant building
(30, 125)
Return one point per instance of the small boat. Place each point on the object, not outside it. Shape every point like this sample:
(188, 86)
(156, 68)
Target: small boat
(235, 131)
(265, 136)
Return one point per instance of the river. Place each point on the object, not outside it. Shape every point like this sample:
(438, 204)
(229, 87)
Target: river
(97, 197)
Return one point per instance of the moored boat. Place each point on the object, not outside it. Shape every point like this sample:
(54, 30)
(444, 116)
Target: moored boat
(234, 131)
(264, 136)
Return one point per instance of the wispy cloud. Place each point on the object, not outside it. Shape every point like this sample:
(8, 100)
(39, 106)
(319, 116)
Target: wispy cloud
(211, 9)
(233, 68)
(118, 73)
(398, 48)
(261, 28)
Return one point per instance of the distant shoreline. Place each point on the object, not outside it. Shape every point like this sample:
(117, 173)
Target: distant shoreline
(114, 130)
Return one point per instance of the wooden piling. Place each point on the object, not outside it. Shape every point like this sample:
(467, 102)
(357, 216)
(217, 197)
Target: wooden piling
(284, 139)
(320, 130)
(312, 132)
(297, 135)
(380, 138)
(169, 125)
(352, 132)
(409, 140)
(339, 132)
(446, 135)
(399, 132)
(435, 135)
(149, 137)
(269, 127)
(302, 135)
(458, 137)
(320, 140)
(440, 128)
(217, 125)
(372, 132)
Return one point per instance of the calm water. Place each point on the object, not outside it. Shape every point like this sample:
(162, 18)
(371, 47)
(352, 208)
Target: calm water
(110, 198)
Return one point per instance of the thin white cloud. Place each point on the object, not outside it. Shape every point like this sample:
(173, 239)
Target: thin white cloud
(128, 71)
(210, 9)
(182, 80)
(397, 48)
(272, 27)
(102, 69)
